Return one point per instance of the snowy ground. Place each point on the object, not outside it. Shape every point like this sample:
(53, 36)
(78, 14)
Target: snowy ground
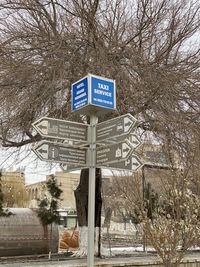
(124, 239)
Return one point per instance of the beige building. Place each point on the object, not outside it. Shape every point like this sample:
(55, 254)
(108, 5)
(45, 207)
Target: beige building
(13, 189)
(35, 191)
(158, 165)
(66, 181)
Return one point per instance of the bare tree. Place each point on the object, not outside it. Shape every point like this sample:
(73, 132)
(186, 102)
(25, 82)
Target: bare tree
(149, 47)
(176, 226)
(171, 223)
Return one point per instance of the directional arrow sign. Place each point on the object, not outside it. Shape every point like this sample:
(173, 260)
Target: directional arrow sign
(56, 152)
(113, 153)
(61, 129)
(115, 127)
(132, 163)
(70, 168)
(132, 138)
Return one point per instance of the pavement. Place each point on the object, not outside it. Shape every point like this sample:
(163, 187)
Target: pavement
(136, 260)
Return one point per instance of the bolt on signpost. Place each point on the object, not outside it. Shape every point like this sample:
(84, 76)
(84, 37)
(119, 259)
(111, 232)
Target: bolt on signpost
(93, 96)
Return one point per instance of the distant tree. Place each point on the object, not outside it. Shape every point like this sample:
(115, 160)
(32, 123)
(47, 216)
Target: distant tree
(129, 200)
(175, 226)
(150, 203)
(169, 217)
(173, 233)
(48, 208)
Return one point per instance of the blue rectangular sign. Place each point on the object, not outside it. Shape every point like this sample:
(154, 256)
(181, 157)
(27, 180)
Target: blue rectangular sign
(93, 93)
(80, 94)
(102, 92)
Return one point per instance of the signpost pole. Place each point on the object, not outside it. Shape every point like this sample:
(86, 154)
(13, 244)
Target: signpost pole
(91, 95)
(91, 197)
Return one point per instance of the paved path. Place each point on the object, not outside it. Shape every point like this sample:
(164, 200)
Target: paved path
(117, 261)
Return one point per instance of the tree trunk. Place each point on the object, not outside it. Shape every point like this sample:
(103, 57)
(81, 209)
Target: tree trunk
(169, 263)
(50, 242)
(81, 196)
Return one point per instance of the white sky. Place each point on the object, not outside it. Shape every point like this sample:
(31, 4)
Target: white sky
(25, 160)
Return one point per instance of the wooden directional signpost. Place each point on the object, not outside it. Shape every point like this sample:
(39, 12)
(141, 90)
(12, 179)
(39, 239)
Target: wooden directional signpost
(92, 95)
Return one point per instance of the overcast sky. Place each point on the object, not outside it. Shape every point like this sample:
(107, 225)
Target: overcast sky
(25, 160)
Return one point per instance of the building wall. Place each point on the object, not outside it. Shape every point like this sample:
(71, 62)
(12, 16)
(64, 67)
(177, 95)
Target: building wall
(36, 192)
(14, 190)
(158, 165)
(156, 177)
(66, 181)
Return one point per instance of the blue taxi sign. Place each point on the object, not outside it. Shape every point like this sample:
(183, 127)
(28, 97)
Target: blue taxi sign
(93, 93)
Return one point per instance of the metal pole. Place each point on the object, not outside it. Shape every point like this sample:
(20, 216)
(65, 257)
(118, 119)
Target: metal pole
(143, 198)
(91, 197)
